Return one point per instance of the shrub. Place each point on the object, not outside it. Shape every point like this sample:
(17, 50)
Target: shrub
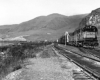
(15, 54)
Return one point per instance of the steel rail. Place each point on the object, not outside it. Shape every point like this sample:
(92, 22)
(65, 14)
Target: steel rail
(92, 52)
(89, 70)
(84, 55)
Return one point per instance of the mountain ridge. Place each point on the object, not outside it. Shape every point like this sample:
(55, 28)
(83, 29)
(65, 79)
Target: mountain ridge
(55, 23)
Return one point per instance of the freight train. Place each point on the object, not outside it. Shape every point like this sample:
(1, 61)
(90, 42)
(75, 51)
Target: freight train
(84, 37)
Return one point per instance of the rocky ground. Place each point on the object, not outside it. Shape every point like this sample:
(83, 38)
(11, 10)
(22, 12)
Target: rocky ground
(46, 66)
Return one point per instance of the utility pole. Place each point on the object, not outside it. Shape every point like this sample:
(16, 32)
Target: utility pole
(57, 40)
(66, 37)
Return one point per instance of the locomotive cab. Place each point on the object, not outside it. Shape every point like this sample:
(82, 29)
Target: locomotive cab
(90, 36)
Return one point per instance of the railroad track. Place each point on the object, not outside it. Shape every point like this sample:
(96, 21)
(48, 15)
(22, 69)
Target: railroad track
(93, 52)
(85, 53)
(87, 66)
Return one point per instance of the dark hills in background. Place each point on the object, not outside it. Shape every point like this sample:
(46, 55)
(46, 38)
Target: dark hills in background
(48, 27)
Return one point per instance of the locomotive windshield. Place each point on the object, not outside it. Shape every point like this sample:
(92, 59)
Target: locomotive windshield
(90, 29)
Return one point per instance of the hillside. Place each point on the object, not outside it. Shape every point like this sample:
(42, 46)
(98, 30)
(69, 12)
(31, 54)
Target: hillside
(92, 19)
(48, 27)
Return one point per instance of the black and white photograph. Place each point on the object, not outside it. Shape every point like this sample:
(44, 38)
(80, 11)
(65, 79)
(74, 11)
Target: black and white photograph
(49, 39)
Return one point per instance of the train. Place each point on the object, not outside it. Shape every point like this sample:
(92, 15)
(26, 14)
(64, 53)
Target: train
(82, 37)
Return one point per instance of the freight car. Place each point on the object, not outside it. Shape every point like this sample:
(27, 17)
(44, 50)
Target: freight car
(61, 40)
(85, 37)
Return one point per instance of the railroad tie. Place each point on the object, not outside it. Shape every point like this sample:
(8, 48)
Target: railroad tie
(80, 75)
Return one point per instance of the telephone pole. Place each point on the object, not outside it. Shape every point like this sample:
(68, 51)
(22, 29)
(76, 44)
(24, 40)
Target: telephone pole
(66, 37)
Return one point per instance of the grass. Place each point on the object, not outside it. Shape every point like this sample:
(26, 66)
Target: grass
(14, 55)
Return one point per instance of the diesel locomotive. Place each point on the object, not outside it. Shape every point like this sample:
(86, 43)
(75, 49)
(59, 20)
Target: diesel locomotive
(85, 37)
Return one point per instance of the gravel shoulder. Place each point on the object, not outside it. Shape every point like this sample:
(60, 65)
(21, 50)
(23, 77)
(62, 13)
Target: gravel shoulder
(46, 66)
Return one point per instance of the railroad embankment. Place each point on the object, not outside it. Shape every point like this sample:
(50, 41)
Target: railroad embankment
(47, 65)
(12, 57)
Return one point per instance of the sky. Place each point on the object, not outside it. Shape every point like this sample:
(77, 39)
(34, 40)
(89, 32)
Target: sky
(17, 11)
